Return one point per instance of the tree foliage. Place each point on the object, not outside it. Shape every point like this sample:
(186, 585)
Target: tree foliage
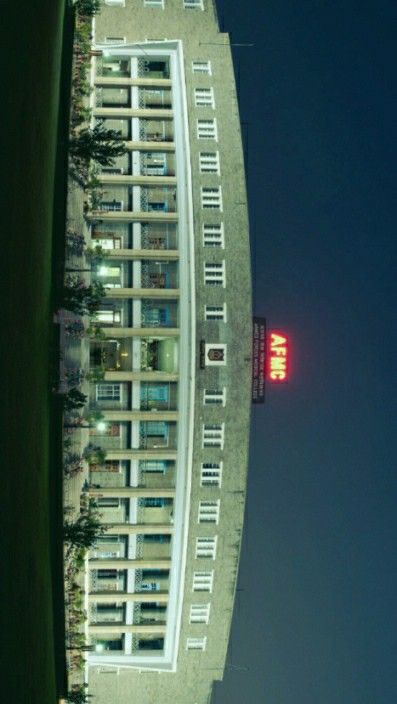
(88, 8)
(82, 298)
(85, 530)
(97, 144)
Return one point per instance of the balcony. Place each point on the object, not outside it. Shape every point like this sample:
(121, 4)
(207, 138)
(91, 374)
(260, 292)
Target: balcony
(159, 274)
(155, 435)
(113, 67)
(157, 164)
(159, 314)
(156, 130)
(153, 68)
(160, 199)
(159, 396)
(155, 98)
(159, 236)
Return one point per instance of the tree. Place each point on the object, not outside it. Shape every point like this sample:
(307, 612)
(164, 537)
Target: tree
(74, 399)
(97, 144)
(88, 8)
(78, 695)
(82, 298)
(94, 454)
(85, 530)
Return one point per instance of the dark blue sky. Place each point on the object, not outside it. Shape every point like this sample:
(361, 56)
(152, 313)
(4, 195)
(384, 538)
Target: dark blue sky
(316, 617)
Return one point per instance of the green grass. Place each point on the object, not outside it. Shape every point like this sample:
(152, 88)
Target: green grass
(32, 147)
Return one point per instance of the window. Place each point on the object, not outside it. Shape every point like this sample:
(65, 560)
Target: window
(213, 235)
(108, 502)
(206, 547)
(216, 313)
(214, 273)
(215, 397)
(109, 316)
(108, 392)
(207, 129)
(209, 511)
(111, 206)
(115, 40)
(209, 162)
(213, 435)
(211, 197)
(202, 581)
(199, 613)
(154, 466)
(202, 67)
(115, 2)
(196, 643)
(204, 98)
(193, 4)
(153, 3)
(106, 242)
(211, 473)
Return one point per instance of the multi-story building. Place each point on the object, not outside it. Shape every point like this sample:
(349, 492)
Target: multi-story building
(175, 395)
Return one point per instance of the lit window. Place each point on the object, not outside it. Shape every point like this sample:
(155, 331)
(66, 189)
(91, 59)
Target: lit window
(213, 435)
(108, 317)
(210, 197)
(206, 547)
(216, 313)
(203, 581)
(214, 397)
(209, 511)
(214, 273)
(204, 98)
(209, 162)
(203, 67)
(211, 473)
(199, 613)
(196, 643)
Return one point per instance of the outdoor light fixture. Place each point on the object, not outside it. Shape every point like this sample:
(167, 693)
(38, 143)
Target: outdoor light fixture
(101, 426)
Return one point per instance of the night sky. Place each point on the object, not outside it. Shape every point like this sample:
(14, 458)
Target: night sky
(316, 618)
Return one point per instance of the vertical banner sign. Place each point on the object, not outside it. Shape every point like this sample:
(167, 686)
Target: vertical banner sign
(277, 357)
(258, 360)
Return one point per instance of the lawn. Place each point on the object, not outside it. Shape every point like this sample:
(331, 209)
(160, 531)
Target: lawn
(36, 45)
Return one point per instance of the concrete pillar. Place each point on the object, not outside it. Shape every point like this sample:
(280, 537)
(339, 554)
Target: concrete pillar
(148, 113)
(137, 597)
(109, 627)
(157, 333)
(139, 529)
(140, 376)
(130, 492)
(168, 255)
(168, 293)
(121, 563)
(119, 416)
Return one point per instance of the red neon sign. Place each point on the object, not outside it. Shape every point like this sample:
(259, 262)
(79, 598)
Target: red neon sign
(278, 357)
